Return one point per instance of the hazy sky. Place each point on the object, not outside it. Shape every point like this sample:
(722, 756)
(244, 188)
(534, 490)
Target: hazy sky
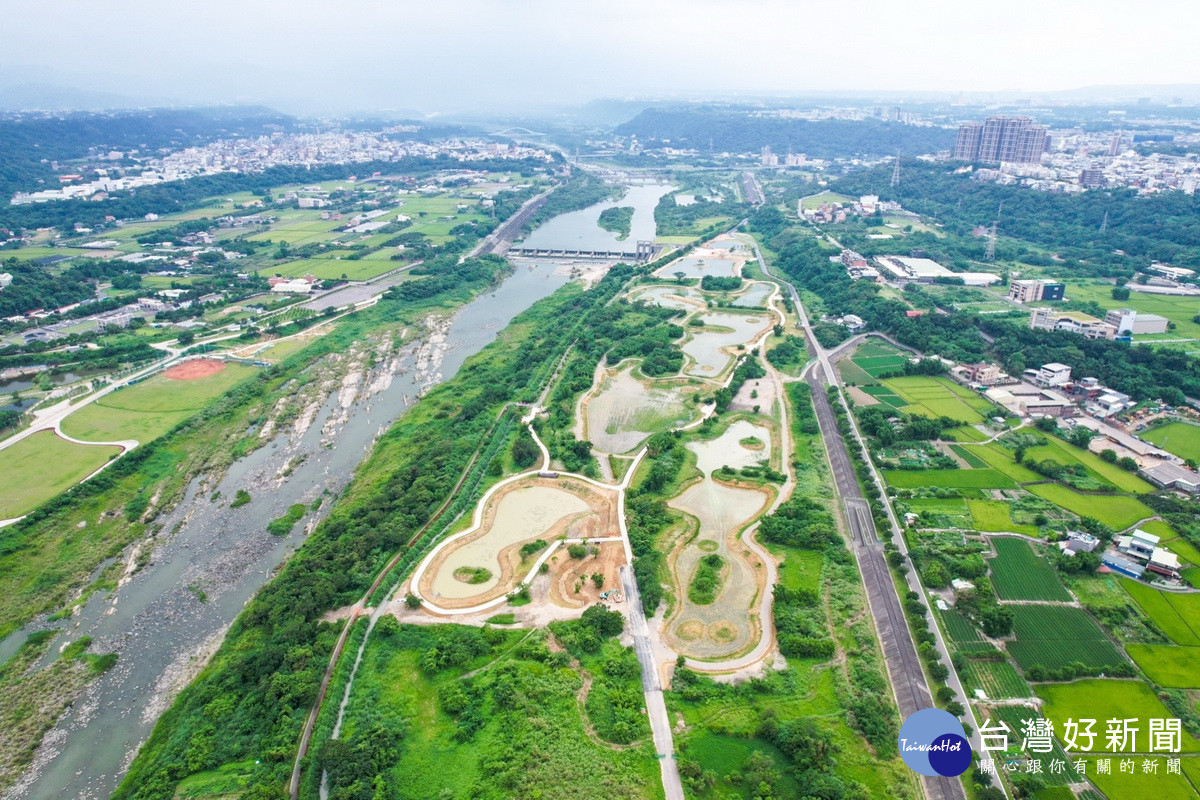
(456, 54)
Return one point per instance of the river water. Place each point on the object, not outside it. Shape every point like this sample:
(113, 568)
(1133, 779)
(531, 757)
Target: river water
(170, 616)
(578, 230)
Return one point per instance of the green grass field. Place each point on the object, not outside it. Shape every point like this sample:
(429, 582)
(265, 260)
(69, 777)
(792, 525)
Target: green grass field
(41, 466)
(965, 433)
(1103, 699)
(973, 461)
(1055, 636)
(1057, 450)
(996, 516)
(149, 409)
(999, 457)
(825, 197)
(1116, 511)
(1018, 573)
(1168, 665)
(800, 569)
(1158, 785)
(939, 397)
(949, 478)
(1180, 438)
(965, 636)
(998, 680)
(333, 269)
(1177, 615)
(1179, 309)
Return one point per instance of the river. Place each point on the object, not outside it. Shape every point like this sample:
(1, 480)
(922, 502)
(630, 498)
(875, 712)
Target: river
(578, 230)
(170, 616)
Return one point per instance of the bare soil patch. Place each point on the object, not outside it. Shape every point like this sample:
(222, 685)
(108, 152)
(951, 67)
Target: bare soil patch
(194, 370)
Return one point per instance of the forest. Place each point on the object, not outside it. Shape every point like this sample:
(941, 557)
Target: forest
(740, 130)
(1159, 227)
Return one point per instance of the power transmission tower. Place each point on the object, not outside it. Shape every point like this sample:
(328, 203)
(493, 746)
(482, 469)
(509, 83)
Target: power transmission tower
(990, 253)
(896, 172)
(1104, 222)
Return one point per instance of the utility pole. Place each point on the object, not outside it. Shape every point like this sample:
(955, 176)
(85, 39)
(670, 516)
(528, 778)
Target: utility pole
(896, 171)
(1104, 222)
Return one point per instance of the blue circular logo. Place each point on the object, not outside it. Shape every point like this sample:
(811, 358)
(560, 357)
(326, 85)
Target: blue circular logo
(933, 742)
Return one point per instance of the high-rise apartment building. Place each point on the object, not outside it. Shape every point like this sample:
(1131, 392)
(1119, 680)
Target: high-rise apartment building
(1002, 139)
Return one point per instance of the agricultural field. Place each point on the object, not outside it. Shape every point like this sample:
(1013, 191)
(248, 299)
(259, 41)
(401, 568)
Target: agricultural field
(149, 409)
(1018, 573)
(1116, 511)
(1102, 699)
(997, 679)
(1056, 636)
(999, 457)
(878, 359)
(995, 516)
(1015, 716)
(1158, 785)
(940, 397)
(962, 634)
(1176, 615)
(949, 478)
(1168, 665)
(40, 466)
(1180, 438)
(973, 461)
(333, 268)
(1055, 449)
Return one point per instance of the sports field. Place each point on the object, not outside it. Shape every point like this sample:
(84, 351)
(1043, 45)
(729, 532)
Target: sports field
(1180, 438)
(1018, 573)
(40, 466)
(1104, 699)
(939, 397)
(1055, 636)
(333, 269)
(1116, 511)
(949, 478)
(149, 409)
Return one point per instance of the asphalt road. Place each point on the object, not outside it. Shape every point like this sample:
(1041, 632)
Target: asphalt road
(899, 650)
(656, 707)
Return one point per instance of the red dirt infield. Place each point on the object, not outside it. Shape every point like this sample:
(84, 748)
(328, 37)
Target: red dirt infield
(193, 370)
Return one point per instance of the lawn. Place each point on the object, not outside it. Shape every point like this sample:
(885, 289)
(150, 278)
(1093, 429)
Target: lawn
(1168, 664)
(949, 478)
(1180, 438)
(1116, 511)
(1102, 699)
(41, 466)
(800, 569)
(996, 516)
(149, 409)
(1177, 615)
(1178, 308)
(1018, 573)
(1055, 636)
(998, 680)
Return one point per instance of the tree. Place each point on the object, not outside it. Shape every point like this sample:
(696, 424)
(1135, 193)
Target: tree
(1120, 293)
(598, 579)
(186, 338)
(1128, 464)
(412, 601)
(1109, 455)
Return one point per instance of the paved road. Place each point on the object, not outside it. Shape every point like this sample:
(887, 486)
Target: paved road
(899, 650)
(656, 707)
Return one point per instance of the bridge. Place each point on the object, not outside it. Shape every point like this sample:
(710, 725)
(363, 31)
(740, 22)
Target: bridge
(517, 131)
(646, 251)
